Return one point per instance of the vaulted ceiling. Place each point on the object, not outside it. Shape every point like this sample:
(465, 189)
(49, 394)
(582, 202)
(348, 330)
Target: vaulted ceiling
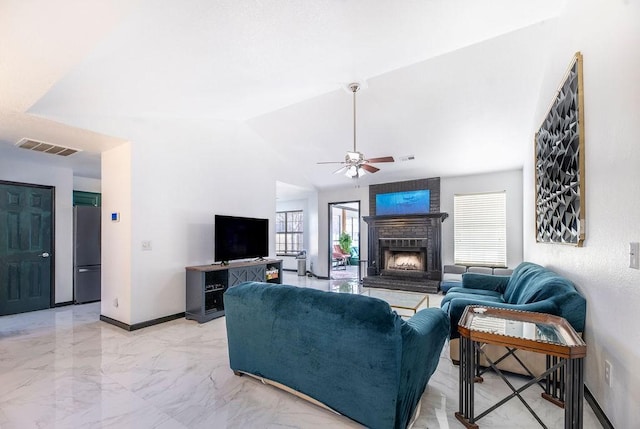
(452, 83)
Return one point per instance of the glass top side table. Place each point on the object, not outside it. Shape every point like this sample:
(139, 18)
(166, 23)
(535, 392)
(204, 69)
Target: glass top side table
(521, 330)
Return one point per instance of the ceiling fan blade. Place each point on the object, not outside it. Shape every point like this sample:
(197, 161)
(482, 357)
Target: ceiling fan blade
(331, 162)
(341, 169)
(369, 168)
(382, 159)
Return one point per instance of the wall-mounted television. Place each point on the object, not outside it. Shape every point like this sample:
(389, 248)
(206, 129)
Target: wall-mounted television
(403, 203)
(240, 238)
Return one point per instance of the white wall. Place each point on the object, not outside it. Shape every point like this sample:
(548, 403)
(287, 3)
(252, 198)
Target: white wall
(116, 236)
(314, 233)
(350, 192)
(509, 181)
(62, 180)
(175, 191)
(87, 184)
(608, 35)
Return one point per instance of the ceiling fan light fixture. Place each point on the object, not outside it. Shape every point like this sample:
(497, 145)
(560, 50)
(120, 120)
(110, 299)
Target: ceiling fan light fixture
(354, 171)
(351, 172)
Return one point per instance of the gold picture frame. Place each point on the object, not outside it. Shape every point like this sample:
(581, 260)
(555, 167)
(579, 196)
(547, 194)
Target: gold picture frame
(559, 168)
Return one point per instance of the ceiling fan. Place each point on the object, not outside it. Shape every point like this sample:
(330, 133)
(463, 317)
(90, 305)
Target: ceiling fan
(355, 164)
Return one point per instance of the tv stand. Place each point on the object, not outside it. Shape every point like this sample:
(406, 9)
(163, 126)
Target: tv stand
(206, 284)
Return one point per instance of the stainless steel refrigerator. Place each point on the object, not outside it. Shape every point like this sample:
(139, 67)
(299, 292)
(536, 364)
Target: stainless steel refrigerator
(86, 254)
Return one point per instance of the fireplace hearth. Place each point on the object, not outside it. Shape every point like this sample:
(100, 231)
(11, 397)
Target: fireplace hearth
(405, 252)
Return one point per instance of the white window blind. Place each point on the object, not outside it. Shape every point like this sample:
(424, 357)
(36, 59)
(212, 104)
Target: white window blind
(480, 229)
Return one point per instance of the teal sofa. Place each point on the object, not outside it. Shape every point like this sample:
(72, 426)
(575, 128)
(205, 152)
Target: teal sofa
(530, 287)
(351, 353)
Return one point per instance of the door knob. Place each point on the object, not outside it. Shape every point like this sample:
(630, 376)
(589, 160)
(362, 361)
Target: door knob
(45, 255)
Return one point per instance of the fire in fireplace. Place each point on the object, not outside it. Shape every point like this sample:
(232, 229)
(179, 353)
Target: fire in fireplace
(404, 260)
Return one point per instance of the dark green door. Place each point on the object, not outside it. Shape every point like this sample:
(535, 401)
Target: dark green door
(26, 232)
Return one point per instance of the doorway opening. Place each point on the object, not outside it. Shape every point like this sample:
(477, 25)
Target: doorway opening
(344, 240)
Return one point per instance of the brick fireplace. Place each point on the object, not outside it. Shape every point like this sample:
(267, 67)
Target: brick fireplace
(405, 252)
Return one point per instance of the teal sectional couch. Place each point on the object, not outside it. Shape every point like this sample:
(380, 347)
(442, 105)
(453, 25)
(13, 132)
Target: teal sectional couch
(531, 287)
(351, 353)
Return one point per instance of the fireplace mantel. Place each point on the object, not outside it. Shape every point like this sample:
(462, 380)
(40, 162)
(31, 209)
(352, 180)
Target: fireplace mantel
(424, 228)
(373, 220)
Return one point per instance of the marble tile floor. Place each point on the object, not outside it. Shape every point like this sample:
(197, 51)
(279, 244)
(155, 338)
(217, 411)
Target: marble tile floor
(345, 273)
(63, 368)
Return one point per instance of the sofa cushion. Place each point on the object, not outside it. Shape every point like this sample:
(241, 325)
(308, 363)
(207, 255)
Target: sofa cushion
(480, 270)
(450, 280)
(454, 269)
(522, 276)
(452, 277)
(531, 282)
(485, 281)
(458, 292)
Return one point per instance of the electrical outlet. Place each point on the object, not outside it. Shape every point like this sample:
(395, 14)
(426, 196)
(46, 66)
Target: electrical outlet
(115, 302)
(607, 373)
(146, 245)
(634, 255)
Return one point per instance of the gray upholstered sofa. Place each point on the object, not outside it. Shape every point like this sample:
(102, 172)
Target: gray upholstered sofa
(531, 287)
(351, 353)
(452, 274)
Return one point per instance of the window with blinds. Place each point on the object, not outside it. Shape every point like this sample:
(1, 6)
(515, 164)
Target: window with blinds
(480, 229)
(289, 232)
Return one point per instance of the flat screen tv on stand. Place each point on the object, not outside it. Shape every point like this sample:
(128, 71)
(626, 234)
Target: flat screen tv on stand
(240, 238)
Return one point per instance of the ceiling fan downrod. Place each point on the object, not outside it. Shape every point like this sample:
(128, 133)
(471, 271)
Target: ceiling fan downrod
(354, 87)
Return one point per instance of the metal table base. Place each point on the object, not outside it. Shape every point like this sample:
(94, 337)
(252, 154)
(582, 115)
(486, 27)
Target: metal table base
(562, 382)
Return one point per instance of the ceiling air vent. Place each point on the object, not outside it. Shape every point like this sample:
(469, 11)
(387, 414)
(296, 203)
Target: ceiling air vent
(38, 146)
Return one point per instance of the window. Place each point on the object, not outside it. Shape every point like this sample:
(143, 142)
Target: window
(480, 229)
(289, 232)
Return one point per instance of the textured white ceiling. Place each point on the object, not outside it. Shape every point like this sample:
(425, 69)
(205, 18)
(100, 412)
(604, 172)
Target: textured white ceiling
(451, 81)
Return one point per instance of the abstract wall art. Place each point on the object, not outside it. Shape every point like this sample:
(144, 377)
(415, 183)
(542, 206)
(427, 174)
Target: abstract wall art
(559, 164)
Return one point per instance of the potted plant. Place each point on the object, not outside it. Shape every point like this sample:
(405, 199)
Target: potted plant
(345, 243)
